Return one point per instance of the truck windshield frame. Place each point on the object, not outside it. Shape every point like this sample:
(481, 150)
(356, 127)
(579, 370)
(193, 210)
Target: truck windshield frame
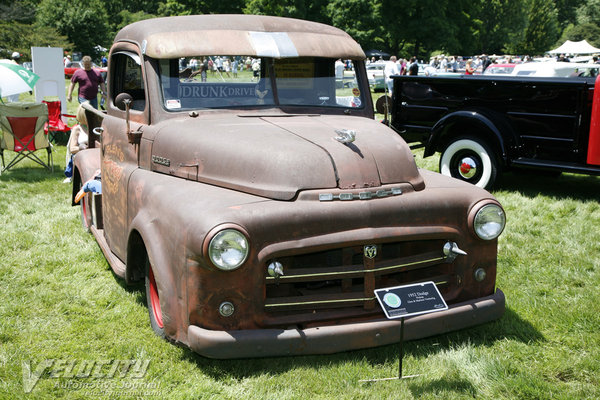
(226, 82)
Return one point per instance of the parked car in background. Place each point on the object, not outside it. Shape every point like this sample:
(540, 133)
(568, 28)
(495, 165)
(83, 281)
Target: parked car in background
(500, 69)
(73, 66)
(556, 69)
(485, 125)
(376, 76)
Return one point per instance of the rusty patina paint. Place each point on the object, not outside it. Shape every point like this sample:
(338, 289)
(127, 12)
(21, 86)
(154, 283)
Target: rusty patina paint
(302, 198)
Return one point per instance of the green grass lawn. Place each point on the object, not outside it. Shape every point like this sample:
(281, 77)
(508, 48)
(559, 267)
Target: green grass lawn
(59, 300)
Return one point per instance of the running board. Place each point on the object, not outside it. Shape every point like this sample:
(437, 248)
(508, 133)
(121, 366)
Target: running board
(556, 166)
(116, 264)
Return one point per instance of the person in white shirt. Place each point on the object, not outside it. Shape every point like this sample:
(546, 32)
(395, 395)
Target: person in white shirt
(391, 68)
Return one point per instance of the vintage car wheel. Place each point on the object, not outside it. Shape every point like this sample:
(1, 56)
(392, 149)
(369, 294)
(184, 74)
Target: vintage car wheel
(383, 104)
(471, 161)
(153, 301)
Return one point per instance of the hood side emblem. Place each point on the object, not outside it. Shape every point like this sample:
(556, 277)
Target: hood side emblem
(345, 135)
(161, 160)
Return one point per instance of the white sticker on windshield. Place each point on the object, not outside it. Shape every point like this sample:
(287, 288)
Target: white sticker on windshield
(173, 104)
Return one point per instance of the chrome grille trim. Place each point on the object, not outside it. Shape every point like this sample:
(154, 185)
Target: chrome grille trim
(357, 271)
(325, 302)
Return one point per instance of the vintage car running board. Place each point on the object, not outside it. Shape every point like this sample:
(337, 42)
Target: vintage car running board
(116, 264)
(562, 166)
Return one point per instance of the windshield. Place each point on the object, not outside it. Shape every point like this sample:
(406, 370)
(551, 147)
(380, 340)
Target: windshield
(208, 82)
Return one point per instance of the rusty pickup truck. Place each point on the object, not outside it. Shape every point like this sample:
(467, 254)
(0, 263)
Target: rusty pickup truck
(260, 202)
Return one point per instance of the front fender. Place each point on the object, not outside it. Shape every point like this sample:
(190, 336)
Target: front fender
(145, 236)
(85, 164)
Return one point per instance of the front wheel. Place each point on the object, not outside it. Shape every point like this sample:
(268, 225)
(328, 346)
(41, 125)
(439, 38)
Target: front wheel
(471, 161)
(153, 301)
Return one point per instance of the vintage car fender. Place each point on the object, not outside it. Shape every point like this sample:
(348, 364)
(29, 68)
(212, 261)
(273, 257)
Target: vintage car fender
(492, 128)
(145, 240)
(173, 240)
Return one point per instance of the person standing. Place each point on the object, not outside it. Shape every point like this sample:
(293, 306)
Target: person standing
(414, 67)
(390, 68)
(469, 69)
(88, 80)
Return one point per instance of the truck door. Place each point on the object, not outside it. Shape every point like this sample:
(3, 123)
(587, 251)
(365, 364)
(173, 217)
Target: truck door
(119, 157)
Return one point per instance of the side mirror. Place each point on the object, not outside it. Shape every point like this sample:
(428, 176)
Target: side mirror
(123, 101)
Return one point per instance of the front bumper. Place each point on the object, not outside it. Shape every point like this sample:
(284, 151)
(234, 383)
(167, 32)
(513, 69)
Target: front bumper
(337, 338)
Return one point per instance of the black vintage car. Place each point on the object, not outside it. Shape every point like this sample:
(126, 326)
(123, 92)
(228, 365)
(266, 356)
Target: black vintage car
(485, 125)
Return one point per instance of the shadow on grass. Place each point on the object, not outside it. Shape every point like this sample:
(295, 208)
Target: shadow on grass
(565, 186)
(32, 174)
(510, 327)
(443, 385)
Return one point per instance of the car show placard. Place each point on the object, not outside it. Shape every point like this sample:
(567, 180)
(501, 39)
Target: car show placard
(407, 300)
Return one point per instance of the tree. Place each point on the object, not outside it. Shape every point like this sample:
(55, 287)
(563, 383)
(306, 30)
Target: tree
(83, 22)
(589, 12)
(127, 17)
(567, 11)
(359, 18)
(418, 27)
(18, 11)
(171, 8)
(542, 29)
(576, 33)
(502, 23)
(16, 36)
(214, 6)
(303, 9)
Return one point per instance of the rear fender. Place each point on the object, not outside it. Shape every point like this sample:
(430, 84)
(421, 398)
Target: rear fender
(493, 129)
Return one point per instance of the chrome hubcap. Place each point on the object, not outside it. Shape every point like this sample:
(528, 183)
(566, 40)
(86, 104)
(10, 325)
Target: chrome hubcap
(467, 168)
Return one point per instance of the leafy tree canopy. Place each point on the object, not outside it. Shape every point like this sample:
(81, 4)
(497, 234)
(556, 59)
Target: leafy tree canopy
(576, 33)
(83, 22)
(403, 28)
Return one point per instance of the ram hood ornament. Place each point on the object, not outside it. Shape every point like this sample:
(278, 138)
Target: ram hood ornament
(345, 135)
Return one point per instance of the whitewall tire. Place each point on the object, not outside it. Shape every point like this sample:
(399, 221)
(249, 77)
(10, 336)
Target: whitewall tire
(471, 161)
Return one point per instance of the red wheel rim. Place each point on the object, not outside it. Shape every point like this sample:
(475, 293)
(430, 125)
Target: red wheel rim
(154, 300)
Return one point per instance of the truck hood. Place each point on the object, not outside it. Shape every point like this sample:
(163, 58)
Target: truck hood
(278, 155)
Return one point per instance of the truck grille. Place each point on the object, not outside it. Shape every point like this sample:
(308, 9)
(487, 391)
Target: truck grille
(346, 277)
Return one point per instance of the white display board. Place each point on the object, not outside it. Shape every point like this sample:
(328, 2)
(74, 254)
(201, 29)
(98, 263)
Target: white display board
(48, 65)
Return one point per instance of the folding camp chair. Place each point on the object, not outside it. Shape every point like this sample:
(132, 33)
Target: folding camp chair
(23, 132)
(55, 123)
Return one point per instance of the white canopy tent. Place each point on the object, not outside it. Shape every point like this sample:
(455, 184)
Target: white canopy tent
(581, 47)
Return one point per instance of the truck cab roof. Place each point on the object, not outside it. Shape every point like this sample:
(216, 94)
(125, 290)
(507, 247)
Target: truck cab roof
(252, 35)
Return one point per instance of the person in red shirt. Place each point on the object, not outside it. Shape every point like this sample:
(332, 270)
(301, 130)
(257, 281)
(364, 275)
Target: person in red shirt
(88, 80)
(469, 70)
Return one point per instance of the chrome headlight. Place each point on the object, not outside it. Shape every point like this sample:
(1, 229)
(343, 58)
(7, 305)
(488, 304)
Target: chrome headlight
(228, 249)
(489, 222)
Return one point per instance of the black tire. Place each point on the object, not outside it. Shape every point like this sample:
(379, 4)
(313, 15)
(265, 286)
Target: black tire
(153, 302)
(470, 160)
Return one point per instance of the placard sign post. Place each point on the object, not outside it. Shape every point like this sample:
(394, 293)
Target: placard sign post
(409, 300)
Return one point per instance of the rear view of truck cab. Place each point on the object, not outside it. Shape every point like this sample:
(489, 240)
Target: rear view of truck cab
(248, 185)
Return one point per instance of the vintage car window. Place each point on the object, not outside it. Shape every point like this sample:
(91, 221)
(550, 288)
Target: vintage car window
(127, 78)
(209, 82)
